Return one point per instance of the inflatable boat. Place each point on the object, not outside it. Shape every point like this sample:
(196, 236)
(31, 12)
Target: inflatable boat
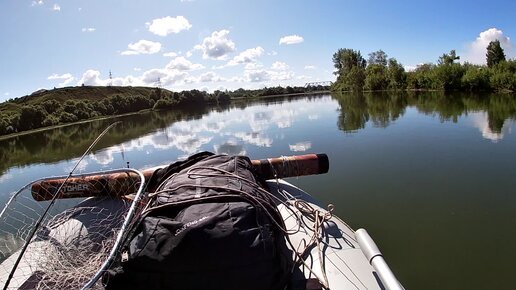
(64, 233)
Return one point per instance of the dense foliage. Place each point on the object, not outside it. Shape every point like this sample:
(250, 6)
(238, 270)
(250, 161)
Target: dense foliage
(68, 105)
(382, 73)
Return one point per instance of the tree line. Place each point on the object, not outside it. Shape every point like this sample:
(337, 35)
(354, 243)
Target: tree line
(379, 72)
(27, 113)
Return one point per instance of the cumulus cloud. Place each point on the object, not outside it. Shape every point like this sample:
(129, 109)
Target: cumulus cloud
(88, 29)
(36, 3)
(257, 76)
(309, 66)
(476, 51)
(278, 65)
(209, 77)
(166, 77)
(142, 47)
(248, 56)
(167, 25)
(261, 75)
(91, 78)
(182, 64)
(291, 39)
(56, 7)
(217, 45)
(66, 79)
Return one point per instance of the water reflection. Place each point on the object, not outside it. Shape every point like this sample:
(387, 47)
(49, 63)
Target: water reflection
(232, 129)
(491, 114)
(481, 121)
(300, 146)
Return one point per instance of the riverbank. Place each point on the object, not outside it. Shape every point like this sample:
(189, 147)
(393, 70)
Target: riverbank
(232, 100)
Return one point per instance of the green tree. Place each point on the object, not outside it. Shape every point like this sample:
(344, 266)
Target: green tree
(448, 76)
(448, 58)
(3, 125)
(494, 53)
(350, 67)
(376, 77)
(476, 78)
(378, 57)
(396, 75)
(345, 59)
(31, 117)
(422, 77)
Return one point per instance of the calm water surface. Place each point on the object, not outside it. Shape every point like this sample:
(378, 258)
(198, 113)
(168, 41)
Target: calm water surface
(431, 177)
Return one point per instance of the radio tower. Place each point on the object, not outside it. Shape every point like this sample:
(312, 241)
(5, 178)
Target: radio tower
(110, 79)
(158, 83)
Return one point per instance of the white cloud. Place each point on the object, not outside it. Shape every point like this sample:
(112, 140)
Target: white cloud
(257, 76)
(260, 75)
(182, 64)
(248, 56)
(476, 51)
(166, 77)
(65, 78)
(273, 53)
(253, 65)
(36, 3)
(291, 39)
(278, 65)
(409, 68)
(209, 77)
(56, 7)
(216, 46)
(309, 66)
(88, 29)
(189, 53)
(137, 69)
(170, 54)
(303, 77)
(142, 47)
(91, 78)
(167, 25)
(7, 94)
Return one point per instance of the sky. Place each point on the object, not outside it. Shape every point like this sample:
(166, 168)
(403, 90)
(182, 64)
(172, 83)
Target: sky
(225, 44)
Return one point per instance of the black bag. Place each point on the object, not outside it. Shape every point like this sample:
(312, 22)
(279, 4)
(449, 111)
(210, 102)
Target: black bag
(211, 225)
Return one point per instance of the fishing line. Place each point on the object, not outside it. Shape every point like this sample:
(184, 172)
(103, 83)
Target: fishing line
(40, 220)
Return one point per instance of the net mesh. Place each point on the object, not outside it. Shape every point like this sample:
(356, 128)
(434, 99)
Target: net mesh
(74, 239)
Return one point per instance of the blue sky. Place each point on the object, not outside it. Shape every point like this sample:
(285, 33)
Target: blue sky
(226, 44)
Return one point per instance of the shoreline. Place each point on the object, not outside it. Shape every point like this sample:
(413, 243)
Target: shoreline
(9, 136)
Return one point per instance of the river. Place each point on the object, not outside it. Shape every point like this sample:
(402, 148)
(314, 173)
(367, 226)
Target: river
(432, 177)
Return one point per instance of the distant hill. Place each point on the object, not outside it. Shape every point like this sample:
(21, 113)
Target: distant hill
(91, 93)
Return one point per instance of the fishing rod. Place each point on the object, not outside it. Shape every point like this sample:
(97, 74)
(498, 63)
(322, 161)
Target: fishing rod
(118, 184)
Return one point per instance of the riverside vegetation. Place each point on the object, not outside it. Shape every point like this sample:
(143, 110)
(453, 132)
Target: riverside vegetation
(379, 72)
(46, 108)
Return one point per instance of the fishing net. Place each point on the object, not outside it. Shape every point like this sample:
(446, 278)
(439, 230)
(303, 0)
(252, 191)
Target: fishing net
(70, 242)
